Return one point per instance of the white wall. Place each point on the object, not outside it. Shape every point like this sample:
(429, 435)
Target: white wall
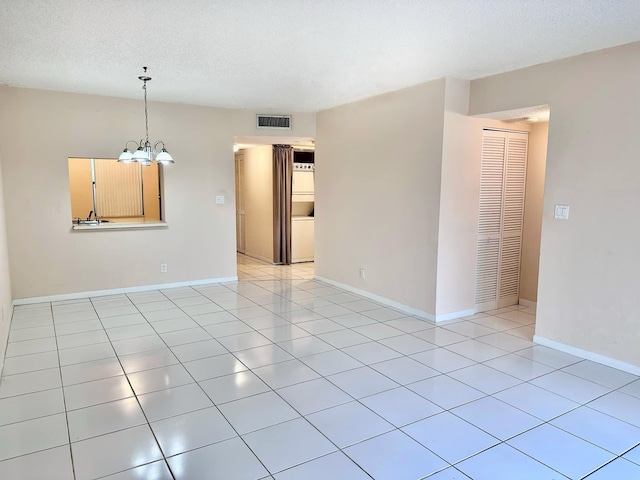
(536, 165)
(39, 130)
(5, 280)
(377, 193)
(258, 202)
(589, 276)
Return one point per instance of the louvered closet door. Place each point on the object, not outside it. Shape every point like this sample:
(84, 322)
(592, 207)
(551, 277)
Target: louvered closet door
(512, 219)
(500, 219)
(494, 146)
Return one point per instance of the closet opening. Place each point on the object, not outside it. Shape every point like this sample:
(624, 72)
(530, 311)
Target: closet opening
(513, 163)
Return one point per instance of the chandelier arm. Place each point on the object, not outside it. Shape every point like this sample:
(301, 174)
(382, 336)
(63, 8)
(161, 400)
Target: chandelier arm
(159, 142)
(126, 145)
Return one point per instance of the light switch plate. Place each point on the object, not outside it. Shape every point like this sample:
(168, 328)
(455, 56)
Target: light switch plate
(562, 212)
(219, 199)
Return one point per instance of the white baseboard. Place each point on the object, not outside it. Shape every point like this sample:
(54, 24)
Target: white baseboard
(587, 355)
(393, 304)
(527, 303)
(115, 291)
(3, 352)
(377, 298)
(443, 317)
(258, 257)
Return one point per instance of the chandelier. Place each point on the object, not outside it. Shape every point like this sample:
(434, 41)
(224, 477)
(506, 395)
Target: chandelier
(145, 154)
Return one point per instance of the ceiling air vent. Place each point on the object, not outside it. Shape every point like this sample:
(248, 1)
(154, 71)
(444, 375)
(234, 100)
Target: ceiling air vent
(278, 122)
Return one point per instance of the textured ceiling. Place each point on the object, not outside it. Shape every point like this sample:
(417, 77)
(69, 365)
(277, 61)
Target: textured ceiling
(291, 55)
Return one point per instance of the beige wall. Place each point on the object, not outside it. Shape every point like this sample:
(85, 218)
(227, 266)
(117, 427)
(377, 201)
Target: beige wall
(258, 202)
(377, 193)
(366, 152)
(39, 130)
(536, 165)
(589, 275)
(459, 197)
(47, 257)
(5, 280)
(459, 201)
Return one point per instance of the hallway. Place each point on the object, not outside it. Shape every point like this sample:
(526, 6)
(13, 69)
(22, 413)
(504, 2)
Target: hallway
(253, 269)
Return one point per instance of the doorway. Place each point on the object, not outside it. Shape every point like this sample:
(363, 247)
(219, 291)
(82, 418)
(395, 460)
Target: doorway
(252, 269)
(240, 210)
(255, 214)
(510, 209)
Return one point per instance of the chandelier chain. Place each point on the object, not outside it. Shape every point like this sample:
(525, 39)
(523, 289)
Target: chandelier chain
(146, 115)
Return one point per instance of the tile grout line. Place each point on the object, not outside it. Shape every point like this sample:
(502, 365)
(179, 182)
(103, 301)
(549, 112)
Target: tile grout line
(234, 428)
(139, 406)
(470, 338)
(304, 416)
(64, 399)
(403, 355)
(214, 405)
(556, 369)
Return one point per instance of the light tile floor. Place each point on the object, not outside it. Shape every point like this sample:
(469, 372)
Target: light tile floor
(281, 377)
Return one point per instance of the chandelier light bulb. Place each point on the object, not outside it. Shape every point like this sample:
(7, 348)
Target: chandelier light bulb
(126, 156)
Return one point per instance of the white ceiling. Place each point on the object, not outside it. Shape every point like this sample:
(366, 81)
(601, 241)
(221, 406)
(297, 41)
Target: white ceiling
(291, 55)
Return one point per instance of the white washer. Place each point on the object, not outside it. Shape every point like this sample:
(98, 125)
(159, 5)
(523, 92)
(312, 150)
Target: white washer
(302, 239)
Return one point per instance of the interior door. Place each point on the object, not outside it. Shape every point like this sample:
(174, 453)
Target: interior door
(240, 203)
(502, 186)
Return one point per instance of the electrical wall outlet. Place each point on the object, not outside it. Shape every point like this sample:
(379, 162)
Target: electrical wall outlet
(561, 212)
(163, 268)
(219, 199)
(363, 274)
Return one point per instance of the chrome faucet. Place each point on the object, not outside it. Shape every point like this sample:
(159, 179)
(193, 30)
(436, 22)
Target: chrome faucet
(88, 221)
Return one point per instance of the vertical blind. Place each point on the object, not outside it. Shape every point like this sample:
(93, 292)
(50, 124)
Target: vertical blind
(118, 189)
